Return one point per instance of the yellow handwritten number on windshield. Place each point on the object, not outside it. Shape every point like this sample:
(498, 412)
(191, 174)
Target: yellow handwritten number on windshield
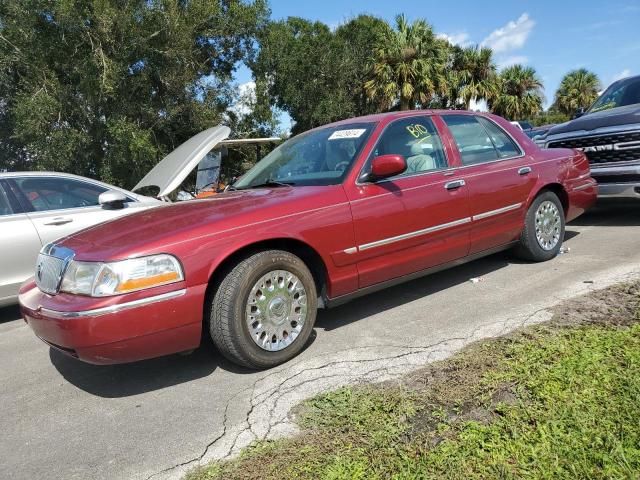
(418, 130)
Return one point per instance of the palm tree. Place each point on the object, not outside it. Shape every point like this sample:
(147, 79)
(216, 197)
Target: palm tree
(478, 75)
(578, 89)
(519, 95)
(408, 66)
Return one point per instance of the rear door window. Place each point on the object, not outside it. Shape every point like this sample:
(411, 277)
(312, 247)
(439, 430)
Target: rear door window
(505, 146)
(473, 141)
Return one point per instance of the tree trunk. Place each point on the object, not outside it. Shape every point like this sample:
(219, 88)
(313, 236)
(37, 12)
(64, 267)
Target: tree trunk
(405, 104)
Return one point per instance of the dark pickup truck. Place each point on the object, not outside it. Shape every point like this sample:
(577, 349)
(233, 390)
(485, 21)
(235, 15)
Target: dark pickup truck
(609, 134)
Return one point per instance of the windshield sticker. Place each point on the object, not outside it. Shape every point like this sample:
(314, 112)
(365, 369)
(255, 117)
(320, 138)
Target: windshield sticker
(352, 133)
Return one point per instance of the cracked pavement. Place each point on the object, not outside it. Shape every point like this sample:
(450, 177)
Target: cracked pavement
(159, 418)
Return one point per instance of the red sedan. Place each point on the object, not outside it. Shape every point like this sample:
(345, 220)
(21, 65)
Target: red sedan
(334, 213)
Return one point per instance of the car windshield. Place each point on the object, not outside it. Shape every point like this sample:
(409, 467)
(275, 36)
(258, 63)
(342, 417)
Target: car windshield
(318, 157)
(619, 94)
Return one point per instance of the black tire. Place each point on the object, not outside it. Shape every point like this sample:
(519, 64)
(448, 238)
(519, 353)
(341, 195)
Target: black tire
(529, 247)
(228, 328)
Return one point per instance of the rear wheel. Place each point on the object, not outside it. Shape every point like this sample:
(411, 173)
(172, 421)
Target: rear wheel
(264, 309)
(543, 231)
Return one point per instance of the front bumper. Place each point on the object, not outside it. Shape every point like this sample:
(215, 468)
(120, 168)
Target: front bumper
(619, 190)
(117, 330)
(621, 181)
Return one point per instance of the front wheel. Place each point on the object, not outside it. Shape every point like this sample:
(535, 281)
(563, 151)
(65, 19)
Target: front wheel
(264, 309)
(543, 231)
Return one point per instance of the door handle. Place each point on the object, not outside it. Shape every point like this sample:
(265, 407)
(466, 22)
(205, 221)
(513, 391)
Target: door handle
(60, 221)
(524, 170)
(454, 184)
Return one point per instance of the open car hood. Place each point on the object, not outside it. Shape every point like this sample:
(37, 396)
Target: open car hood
(171, 171)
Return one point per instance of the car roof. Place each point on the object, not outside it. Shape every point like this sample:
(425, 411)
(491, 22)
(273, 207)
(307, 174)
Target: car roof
(378, 117)
(38, 173)
(45, 174)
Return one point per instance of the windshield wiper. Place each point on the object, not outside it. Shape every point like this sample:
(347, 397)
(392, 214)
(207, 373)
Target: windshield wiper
(271, 183)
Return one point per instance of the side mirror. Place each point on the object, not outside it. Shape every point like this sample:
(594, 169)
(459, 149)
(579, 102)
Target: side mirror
(385, 166)
(112, 199)
(578, 113)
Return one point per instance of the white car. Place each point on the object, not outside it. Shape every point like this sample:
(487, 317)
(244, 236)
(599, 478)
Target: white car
(37, 208)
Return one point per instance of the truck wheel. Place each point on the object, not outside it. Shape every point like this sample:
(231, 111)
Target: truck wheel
(543, 231)
(264, 309)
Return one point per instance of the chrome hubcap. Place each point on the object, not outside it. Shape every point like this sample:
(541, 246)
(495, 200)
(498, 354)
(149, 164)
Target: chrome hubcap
(548, 225)
(276, 310)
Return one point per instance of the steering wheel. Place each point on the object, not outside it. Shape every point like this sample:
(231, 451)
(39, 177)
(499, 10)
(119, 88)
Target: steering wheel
(341, 166)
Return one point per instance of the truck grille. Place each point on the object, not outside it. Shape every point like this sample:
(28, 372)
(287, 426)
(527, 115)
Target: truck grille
(50, 267)
(614, 151)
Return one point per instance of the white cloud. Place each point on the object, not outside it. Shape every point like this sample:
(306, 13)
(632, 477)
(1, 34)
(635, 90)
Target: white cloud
(478, 106)
(511, 60)
(246, 98)
(510, 37)
(461, 38)
(620, 75)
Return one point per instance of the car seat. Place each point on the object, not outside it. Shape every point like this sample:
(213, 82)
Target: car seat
(419, 161)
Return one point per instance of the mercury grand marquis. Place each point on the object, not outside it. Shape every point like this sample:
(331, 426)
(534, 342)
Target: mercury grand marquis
(334, 213)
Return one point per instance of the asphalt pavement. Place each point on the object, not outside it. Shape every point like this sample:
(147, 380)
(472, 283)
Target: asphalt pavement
(60, 418)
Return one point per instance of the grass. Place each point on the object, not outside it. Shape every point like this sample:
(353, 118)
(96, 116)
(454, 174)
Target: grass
(555, 401)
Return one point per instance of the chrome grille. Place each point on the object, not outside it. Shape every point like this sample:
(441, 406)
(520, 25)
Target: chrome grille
(624, 154)
(50, 267)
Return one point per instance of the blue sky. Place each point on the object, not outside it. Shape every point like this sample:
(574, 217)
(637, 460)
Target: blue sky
(551, 36)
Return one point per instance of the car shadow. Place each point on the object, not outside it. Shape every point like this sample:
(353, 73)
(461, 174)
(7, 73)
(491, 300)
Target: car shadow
(393, 297)
(570, 234)
(123, 380)
(611, 213)
(10, 313)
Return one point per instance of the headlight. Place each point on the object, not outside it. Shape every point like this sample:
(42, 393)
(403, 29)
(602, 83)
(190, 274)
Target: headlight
(99, 279)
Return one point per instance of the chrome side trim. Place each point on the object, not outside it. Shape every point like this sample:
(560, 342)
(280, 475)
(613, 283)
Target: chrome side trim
(586, 185)
(335, 301)
(113, 308)
(351, 250)
(436, 228)
(405, 236)
(498, 211)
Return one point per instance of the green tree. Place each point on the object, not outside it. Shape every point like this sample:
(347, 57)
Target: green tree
(550, 116)
(478, 75)
(105, 88)
(408, 66)
(314, 74)
(578, 89)
(519, 93)
(471, 75)
(356, 38)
